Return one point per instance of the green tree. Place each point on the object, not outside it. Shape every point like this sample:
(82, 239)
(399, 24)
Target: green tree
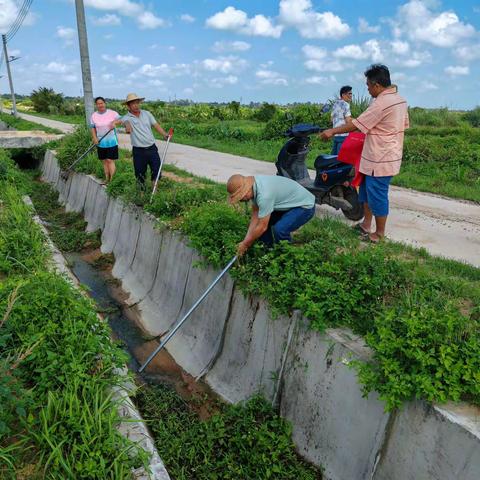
(46, 100)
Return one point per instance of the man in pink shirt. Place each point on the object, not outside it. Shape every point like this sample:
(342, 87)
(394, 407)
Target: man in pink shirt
(384, 123)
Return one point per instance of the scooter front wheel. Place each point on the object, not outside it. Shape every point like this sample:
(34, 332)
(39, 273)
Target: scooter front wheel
(355, 213)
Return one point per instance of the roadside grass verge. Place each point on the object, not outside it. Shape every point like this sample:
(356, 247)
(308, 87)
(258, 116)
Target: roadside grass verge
(387, 291)
(21, 124)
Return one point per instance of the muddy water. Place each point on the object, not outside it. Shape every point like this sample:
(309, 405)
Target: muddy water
(125, 324)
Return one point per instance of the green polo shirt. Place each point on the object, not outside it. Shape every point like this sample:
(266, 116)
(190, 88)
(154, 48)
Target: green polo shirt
(272, 192)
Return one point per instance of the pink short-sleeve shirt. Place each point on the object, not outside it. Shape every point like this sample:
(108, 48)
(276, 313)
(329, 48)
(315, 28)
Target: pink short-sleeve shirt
(384, 123)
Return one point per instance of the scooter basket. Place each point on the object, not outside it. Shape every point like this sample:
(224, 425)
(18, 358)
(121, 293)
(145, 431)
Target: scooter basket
(329, 177)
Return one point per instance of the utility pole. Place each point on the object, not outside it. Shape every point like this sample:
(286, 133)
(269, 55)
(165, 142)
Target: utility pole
(7, 63)
(84, 60)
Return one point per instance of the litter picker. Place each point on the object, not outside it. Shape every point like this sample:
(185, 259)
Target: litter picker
(182, 321)
(64, 174)
(170, 135)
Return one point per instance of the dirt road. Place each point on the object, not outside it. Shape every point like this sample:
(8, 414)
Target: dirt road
(445, 227)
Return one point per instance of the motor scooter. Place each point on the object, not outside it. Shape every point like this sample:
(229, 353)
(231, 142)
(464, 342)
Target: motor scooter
(332, 183)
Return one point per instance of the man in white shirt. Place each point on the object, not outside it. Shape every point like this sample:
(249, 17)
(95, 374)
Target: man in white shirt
(341, 115)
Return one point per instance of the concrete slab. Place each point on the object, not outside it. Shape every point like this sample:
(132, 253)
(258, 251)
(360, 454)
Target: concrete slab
(140, 277)
(198, 342)
(252, 352)
(63, 188)
(25, 139)
(96, 204)
(333, 425)
(161, 307)
(112, 224)
(432, 442)
(46, 166)
(126, 244)
(77, 193)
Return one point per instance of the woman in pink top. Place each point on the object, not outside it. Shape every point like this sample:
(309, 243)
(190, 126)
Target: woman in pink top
(384, 123)
(102, 125)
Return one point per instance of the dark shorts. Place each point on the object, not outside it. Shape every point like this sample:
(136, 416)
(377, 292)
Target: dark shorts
(374, 191)
(109, 153)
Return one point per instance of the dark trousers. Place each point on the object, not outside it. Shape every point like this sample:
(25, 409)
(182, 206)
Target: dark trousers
(144, 157)
(283, 222)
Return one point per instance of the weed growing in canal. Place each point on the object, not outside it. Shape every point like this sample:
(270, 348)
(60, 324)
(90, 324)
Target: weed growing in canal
(245, 441)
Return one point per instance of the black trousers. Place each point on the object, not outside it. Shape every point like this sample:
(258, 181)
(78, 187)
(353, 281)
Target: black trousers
(144, 157)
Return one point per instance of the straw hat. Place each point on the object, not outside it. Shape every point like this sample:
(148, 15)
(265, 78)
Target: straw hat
(133, 96)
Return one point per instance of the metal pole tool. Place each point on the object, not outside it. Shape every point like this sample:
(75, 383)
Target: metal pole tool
(170, 135)
(182, 321)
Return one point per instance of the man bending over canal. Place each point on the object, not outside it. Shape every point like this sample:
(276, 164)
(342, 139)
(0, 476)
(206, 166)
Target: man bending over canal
(279, 207)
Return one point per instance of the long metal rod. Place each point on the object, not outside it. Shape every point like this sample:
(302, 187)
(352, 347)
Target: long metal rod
(182, 321)
(10, 80)
(170, 135)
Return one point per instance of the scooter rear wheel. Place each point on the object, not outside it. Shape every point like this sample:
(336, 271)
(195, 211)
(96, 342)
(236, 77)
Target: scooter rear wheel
(355, 213)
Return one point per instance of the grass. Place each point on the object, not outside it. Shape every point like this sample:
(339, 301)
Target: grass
(57, 362)
(21, 124)
(73, 119)
(245, 441)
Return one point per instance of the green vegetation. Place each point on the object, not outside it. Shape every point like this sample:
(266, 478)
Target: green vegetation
(247, 442)
(382, 292)
(441, 152)
(57, 362)
(21, 124)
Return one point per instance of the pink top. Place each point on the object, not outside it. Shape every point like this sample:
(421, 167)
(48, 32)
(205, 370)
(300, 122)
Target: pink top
(384, 123)
(102, 122)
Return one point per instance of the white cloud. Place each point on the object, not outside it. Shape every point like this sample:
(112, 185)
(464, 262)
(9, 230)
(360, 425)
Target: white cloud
(428, 86)
(224, 64)
(420, 24)
(467, 53)
(108, 20)
(455, 71)
(222, 81)
(66, 34)
(163, 70)
(315, 53)
(8, 14)
(237, 21)
(120, 59)
(399, 47)
(365, 27)
(318, 61)
(415, 60)
(144, 18)
(188, 91)
(156, 82)
(299, 14)
(236, 46)
(107, 77)
(187, 18)
(351, 51)
(369, 50)
(269, 77)
(58, 67)
(320, 80)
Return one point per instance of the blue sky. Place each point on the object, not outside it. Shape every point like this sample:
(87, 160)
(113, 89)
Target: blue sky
(278, 51)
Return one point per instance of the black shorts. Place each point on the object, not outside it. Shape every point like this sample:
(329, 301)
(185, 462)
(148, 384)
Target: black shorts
(109, 153)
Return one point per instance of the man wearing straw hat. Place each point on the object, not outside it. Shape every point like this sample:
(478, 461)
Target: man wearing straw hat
(280, 206)
(138, 123)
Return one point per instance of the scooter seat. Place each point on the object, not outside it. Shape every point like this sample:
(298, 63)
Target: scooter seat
(322, 162)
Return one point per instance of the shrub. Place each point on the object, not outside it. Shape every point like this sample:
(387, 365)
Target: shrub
(73, 145)
(473, 117)
(266, 112)
(45, 99)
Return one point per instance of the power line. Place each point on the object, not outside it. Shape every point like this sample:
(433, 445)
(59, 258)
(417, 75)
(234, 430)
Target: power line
(19, 20)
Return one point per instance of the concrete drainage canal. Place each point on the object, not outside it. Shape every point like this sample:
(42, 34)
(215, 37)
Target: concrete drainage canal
(197, 435)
